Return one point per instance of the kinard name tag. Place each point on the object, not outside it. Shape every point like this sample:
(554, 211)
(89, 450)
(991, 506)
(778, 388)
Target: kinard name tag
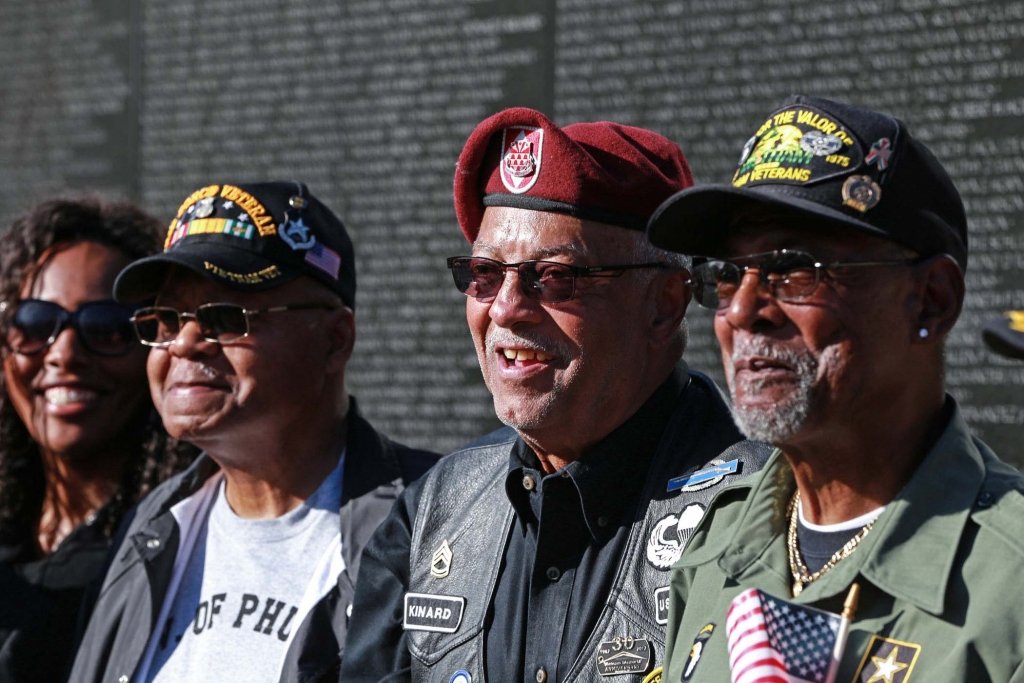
(439, 613)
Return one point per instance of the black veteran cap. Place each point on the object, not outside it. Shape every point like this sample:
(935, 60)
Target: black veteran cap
(841, 166)
(250, 237)
(1005, 335)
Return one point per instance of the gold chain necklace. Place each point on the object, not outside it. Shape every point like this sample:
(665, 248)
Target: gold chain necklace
(802, 576)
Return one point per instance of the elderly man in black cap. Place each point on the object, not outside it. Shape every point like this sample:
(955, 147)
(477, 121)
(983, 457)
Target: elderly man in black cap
(834, 263)
(542, 551)
(242, 568)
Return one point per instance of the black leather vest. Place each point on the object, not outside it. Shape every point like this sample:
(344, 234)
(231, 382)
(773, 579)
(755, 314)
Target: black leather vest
(462, 524)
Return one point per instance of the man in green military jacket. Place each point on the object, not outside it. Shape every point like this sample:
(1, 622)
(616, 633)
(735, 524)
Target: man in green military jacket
(835, 263)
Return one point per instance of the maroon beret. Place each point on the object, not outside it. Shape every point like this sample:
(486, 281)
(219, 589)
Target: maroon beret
(600, 171)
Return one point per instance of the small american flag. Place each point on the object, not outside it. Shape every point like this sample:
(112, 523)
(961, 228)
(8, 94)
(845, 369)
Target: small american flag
(324, 258)
(774, 641)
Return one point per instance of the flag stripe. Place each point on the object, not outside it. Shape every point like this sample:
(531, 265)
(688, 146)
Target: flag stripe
(772, 640)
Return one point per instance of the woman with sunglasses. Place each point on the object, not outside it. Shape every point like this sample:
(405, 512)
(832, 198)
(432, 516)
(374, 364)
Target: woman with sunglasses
(80, 441)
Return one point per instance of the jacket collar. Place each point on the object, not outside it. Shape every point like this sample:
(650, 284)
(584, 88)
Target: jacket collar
(610, 475)
(926, 520)
(371, 461)
(915, 524)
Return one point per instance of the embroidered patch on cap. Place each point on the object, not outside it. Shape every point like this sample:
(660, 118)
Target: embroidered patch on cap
(241, 215)
(256, 277)
(437, 613)
(797, 146)
(520, 157)
(887, 660)
(207, 226)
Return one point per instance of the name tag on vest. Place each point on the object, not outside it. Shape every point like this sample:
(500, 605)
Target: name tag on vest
(438, 613)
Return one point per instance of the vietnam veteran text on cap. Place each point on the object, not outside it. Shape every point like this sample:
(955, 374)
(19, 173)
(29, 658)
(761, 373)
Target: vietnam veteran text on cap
(600, 171)
(843, 166)
(250, 236)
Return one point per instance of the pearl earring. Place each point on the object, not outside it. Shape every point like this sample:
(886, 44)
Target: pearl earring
(923, 333)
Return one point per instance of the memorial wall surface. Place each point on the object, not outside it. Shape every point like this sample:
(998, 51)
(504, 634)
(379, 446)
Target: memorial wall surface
(370, 101)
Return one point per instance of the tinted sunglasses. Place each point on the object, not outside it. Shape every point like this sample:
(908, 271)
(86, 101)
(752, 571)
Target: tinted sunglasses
(788, 275)
(222, 323)
(548, 281)
(102, 327)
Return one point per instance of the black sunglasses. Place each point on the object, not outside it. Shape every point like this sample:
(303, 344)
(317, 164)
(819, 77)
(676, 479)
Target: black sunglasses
(218, 322)
(549, 281)
(31, 325)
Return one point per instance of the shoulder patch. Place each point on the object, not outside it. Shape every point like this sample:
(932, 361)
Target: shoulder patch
(696, 650)
(891, 661)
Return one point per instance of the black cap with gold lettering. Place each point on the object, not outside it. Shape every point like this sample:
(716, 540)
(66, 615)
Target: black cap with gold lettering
(839, 165)
(250, 236)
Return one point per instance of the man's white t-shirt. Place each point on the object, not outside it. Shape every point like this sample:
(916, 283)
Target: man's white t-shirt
(246, 587)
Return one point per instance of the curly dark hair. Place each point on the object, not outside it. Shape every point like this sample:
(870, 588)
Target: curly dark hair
(45, 228)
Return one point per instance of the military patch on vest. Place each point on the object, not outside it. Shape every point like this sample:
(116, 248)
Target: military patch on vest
(670, 534)
(887, 661)
(696, 650)
(437, 613)
(661, 605)
(715, 472)
(461, 676)
(624, 655)
(654, 676)
(441, 561)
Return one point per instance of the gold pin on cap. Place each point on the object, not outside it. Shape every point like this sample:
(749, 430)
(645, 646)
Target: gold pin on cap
(297, 202)
(860, 192)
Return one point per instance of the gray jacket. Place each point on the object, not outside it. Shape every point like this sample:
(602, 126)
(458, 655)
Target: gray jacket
(376, 470)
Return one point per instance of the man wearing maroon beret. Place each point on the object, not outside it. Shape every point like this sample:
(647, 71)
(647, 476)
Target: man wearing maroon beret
(541, 552)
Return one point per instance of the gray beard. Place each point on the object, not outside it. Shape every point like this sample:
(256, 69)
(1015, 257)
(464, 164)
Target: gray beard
(781, 421)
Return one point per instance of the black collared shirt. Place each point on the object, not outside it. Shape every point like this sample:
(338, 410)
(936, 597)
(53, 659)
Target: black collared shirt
(565, 546)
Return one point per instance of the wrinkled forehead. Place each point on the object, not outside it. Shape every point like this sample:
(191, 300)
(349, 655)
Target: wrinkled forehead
(513, 234)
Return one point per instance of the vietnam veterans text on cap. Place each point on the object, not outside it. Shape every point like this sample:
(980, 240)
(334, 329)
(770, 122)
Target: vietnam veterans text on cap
(840, 165)
(250, 236)
(600, 171)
